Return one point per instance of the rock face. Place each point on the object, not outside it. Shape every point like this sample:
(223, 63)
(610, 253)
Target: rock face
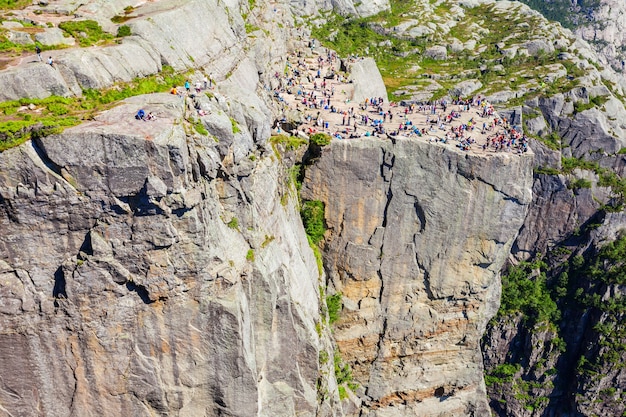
(345, 7)
(168, 34)
(417, 235)
(142, 276)
(607, 31)
(368, 82)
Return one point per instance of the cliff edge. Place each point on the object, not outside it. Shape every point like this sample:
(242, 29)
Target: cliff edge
(417, 235)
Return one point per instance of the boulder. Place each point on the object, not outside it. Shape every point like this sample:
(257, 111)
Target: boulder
(367, 80)
(35, 81)
(465, 88)
(537, 46)
(21, 38)
(54, 36)
(366, 8)
(438, 52)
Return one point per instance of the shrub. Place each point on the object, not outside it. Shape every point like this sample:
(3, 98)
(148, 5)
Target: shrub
(580, 183)
(320, 139)
(123, 30)
(333, 302)
(528, 294)
(502, 373)
(233, 223)
(312, 214)
(250, 255)
(86, 32)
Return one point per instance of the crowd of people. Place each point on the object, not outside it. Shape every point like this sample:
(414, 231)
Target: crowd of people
(313, 85)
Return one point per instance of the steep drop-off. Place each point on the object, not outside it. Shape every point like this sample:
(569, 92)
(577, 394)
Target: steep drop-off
(162, 268)
(417, 234)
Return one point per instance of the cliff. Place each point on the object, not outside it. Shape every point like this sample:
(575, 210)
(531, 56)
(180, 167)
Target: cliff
(162, 268)
(142, 276)
(417, 234)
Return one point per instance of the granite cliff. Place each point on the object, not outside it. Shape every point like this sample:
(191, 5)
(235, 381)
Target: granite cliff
(417, 234)
(162, 267)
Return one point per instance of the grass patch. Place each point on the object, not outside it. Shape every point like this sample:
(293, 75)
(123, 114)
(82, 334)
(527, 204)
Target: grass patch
(568, 165)
(86, 32)
(233, 223)
(250, 255)
(594, 101)
(312, 214)
(14, 4)
(333, 302)
(199, 127)
(288, 143)
(235, 126)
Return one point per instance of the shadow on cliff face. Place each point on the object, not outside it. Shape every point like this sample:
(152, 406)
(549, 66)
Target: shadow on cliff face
(141, 291)
(58, 291)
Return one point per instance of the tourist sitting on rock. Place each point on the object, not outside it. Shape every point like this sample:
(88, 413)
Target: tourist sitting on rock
(141, 114)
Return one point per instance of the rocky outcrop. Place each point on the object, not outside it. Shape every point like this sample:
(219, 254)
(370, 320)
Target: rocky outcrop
(141, 275)
(368, 83)
(173, 32)
(345, 7)
(417, 234)
(606, 31)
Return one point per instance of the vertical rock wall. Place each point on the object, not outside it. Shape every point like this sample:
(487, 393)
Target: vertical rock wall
(417, 234)
(140, 276)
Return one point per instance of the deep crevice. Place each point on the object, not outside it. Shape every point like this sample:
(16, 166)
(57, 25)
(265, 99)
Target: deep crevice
(141, 291)
(59, 291)
(38, 148)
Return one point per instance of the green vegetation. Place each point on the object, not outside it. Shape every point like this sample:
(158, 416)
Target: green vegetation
(233, 223)
(267, 241)
(343, 374)
(502, 373)
(546, 171)
(235, 126)
(312, 214)
(288, 143)
(121, 19)
(568, 165)
(524, 291)
(580, 183)
(251, 28)
(333, 302)
(199, 127)
(123, 30)
(320, 139)
(14, 4)
(604, 269)
(52, 114)
(594, 101)
(250, 255)
(86, 32)
(402, 61)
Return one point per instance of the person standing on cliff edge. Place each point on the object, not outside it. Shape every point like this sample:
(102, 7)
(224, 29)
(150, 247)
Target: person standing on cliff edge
(38, 51)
